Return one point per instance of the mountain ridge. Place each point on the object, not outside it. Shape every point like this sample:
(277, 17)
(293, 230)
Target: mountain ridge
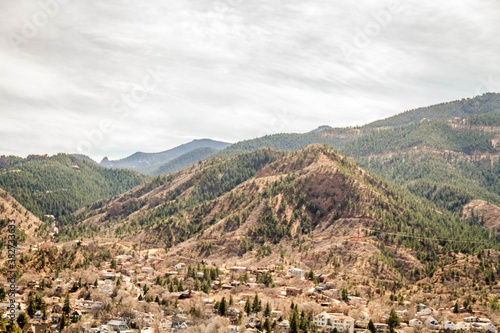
(146, 162)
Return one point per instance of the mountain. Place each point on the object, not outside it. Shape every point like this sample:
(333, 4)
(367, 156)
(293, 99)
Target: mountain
(447, 162)
(251, 205)
(84, 157)
(463, 108)
(335, 137)
(59, 185)
(148, 162)
(445, 158)
(321, 129)
(185, 160)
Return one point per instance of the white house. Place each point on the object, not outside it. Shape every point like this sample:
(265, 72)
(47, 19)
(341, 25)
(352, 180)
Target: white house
(284, 324)
(489, 328)
(179, 266)
(295, 272)
(424, 312)
(342, 323)
(117, 325)
(234, 329)
(462, 326)
(432, 324)
(148, 270)
(449, 325)
(415, 323)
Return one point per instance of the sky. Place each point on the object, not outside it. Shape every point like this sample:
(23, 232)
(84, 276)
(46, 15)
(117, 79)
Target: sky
(109, 78)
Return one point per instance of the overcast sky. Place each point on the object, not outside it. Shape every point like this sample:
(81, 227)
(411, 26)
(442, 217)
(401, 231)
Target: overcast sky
(108, 78)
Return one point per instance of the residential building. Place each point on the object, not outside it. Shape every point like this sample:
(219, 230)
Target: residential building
(329, 321)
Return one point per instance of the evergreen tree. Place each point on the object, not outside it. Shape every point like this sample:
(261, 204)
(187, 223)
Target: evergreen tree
(267, 311)
(294, 321)
(267, 325)
(223, 307)
(371, 327)
(257, 305)
(344, 295)
(62, 322)
(248, 306)
(22, 319)
(66, 307)
(392, 321)
(3, 294)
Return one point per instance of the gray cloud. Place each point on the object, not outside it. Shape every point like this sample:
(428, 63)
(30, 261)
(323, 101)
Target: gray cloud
(230, 69)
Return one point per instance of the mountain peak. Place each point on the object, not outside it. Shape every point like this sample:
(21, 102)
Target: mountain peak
(321, 129)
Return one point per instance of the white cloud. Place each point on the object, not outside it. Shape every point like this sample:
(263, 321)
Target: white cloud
(231, 67)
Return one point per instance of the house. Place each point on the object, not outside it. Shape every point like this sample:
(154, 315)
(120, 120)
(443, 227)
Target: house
(420, 307)
(275, 314)
(38, 316)
(253, 322)
(462, 326)
(239, 269)
(117, 325)
(233, 313)
(55, 318)
(330, 321)
(321, 287)
(432, 324)
(75, 316)
(56, 309)
(295, 272)
(292, 291)
(489, 327)
(179, 266)
(165, 324)
(179, 322)
(363, 320)
(403, 314)
(449, 326)
(415, 323)
(424, 312)
(234, 329)
(380, 327)
(36, 328)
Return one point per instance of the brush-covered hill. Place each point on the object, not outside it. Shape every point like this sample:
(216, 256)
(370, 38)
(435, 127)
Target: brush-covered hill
(59, 185)
(314, 203)
(27, 225)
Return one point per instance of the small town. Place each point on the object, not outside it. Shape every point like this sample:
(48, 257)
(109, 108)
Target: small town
(142, 293)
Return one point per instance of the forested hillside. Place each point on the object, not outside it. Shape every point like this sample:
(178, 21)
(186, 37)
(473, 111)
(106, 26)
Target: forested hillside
(293, 141)
(438, 135)
(184, 161)
(59, 185)
(447, 162)
(257, 202)
(463, 108)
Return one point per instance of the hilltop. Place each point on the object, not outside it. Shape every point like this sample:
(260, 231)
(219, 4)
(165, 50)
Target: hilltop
(150, 163)
(256, 204)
